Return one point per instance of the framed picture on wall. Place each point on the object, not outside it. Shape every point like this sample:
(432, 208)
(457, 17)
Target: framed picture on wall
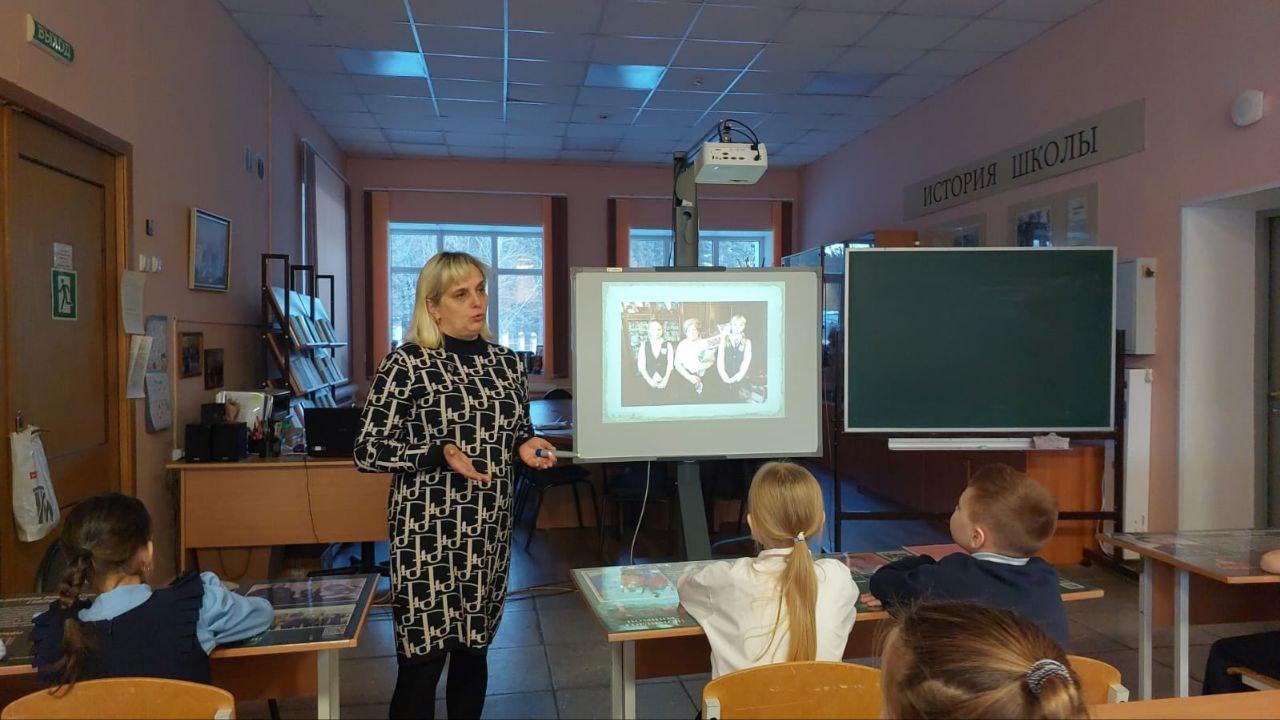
(190, 353)
(212, 368)
(210, 255)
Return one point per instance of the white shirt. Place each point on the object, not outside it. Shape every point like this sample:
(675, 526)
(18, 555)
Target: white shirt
(736, 602)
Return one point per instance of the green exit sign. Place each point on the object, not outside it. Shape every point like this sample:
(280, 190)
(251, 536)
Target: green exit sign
(49, 40)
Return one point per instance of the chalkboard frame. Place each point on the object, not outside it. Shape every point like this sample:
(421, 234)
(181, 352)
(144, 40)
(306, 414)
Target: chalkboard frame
(1090, 430)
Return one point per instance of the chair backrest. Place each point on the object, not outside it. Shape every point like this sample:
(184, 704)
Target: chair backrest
(144, 698)
(795, 690)
(1099, 681)
(558, 394)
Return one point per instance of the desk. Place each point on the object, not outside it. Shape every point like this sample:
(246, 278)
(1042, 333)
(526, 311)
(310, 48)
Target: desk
(1235, 705)
(553, 420)
(315, 619)
(1225, 556)
(651, 635)
(289, 500)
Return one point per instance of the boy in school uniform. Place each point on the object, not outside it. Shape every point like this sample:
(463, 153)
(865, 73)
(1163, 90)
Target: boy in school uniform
(1003, 518)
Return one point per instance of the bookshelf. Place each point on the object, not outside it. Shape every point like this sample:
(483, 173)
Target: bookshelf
(298, 337)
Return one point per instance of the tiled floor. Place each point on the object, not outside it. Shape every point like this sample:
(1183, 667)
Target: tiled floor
(550, 660)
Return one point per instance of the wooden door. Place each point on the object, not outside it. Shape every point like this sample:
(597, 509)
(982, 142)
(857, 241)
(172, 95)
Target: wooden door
(60, 373)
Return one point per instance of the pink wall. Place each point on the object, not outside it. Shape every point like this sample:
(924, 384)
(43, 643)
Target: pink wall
(1188, 58)
(501, 192)
(183, 84)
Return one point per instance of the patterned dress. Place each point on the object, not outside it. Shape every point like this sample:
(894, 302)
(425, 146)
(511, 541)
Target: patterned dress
(450, 536)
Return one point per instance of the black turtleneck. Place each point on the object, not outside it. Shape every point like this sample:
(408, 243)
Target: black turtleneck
(475, 346)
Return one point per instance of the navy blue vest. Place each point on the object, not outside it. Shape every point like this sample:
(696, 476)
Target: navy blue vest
(155, 639)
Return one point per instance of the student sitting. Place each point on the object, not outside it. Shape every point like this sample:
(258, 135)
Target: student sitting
(1259, 652)
(781, 605)
(1002, 519)
(962, 660)
(131, 630)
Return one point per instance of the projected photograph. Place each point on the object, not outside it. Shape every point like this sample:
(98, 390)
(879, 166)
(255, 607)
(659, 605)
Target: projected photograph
(694, 353)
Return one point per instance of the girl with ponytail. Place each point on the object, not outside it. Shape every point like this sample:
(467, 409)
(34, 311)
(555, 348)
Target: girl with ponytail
(130, 630)
(782, 605)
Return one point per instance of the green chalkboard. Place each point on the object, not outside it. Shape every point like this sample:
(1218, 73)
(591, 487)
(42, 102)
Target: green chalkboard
(979, 339)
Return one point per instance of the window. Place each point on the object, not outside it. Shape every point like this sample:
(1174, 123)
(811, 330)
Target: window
(725, 248)
(517, 299)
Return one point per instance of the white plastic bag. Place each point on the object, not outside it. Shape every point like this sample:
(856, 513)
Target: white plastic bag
(35, 508)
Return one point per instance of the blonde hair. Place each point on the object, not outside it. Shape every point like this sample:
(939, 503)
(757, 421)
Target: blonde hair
(1020, 513)
(441, 271)
(691, 322)
(785, 502)
(963, 660)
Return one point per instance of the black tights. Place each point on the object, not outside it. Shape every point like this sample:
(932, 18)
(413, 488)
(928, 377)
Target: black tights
(415, 694)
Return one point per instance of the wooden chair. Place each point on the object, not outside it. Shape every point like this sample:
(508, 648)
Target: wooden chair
(1254, 679)
(801, 690)
(132, 697)
(1099, 682)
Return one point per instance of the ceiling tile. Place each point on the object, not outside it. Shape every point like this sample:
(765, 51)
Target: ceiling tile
(460, 41)
(648, 159)
(396, 105)
(464, 13)
(304, 81)
(813, 27)
(612, 97)
(744, 102)
(911, 32)
(386, 63)
(697, 80)
(798, 121)
(373, 85)
(633, 51)
(478, 139)
(468, 90)
(337, 132)
(464, 68)
(537, 112)
(302, 57)
(827, 138)
(586, 155)
(675, 100)
(392, 10)
(866, 60)
(851, 123)
(550, 46)
(772, 82)
(536, 127)
(569, 16)
(491, 126)
(995, 35)
(414, 136)
(950, 62)
(592, 114)
(555, 94)
(367, 34)
(407, 121)
(420, 150)
(776, 136)
(546, 73)
(643, 17)
(460, 109)
(590, 143)
(476, 151)
(709, 54)
(1039, 10)
(338, 118)
(365, 149)
(728, 22)
(656, 133)
(797, 57)
(669, 118)
(540, 142)
(946, 8)
(643, 146)
(270, 7)
(346, 102)
(813, 103)
(521, 153)
(913, 86)
(866, 6)
(282, 29)
(829, 83)
(878, 106)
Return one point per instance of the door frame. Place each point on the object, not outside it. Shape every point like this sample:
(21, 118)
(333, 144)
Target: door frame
(122, 151)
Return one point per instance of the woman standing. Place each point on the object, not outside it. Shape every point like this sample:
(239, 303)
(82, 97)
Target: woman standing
(654, 361)
(734, 359)
(448, 414)
(692, 360)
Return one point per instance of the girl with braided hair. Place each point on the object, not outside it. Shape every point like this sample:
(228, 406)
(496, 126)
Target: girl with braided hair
(131, 630)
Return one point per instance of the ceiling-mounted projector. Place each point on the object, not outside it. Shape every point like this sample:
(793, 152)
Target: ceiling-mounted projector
(730, 163)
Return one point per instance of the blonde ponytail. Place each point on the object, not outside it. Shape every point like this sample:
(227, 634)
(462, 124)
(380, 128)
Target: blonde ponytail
(785, 503)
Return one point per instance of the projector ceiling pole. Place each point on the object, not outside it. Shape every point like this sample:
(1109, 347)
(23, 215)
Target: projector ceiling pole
(696, 540)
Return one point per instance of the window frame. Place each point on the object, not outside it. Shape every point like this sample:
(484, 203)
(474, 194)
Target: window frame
(715, 237)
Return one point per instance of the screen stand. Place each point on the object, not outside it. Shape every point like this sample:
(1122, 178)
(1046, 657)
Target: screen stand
(693, 515)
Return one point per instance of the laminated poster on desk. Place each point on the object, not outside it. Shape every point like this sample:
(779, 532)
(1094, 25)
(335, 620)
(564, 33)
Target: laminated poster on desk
(312, 610)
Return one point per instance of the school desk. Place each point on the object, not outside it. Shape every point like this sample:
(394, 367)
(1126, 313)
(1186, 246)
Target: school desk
(1234, 705)
(650, 635)
(1229, 557)
(315, 619)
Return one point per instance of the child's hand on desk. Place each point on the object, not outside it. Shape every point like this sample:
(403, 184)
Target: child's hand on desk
(870, 601)
(1271, 562)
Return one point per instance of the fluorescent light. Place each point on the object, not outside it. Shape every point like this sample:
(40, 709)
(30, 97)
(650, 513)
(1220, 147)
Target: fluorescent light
(633, 77)
(389, 63)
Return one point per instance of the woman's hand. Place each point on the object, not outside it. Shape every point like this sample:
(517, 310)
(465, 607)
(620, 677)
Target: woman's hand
(461, 464)
(529, 453)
